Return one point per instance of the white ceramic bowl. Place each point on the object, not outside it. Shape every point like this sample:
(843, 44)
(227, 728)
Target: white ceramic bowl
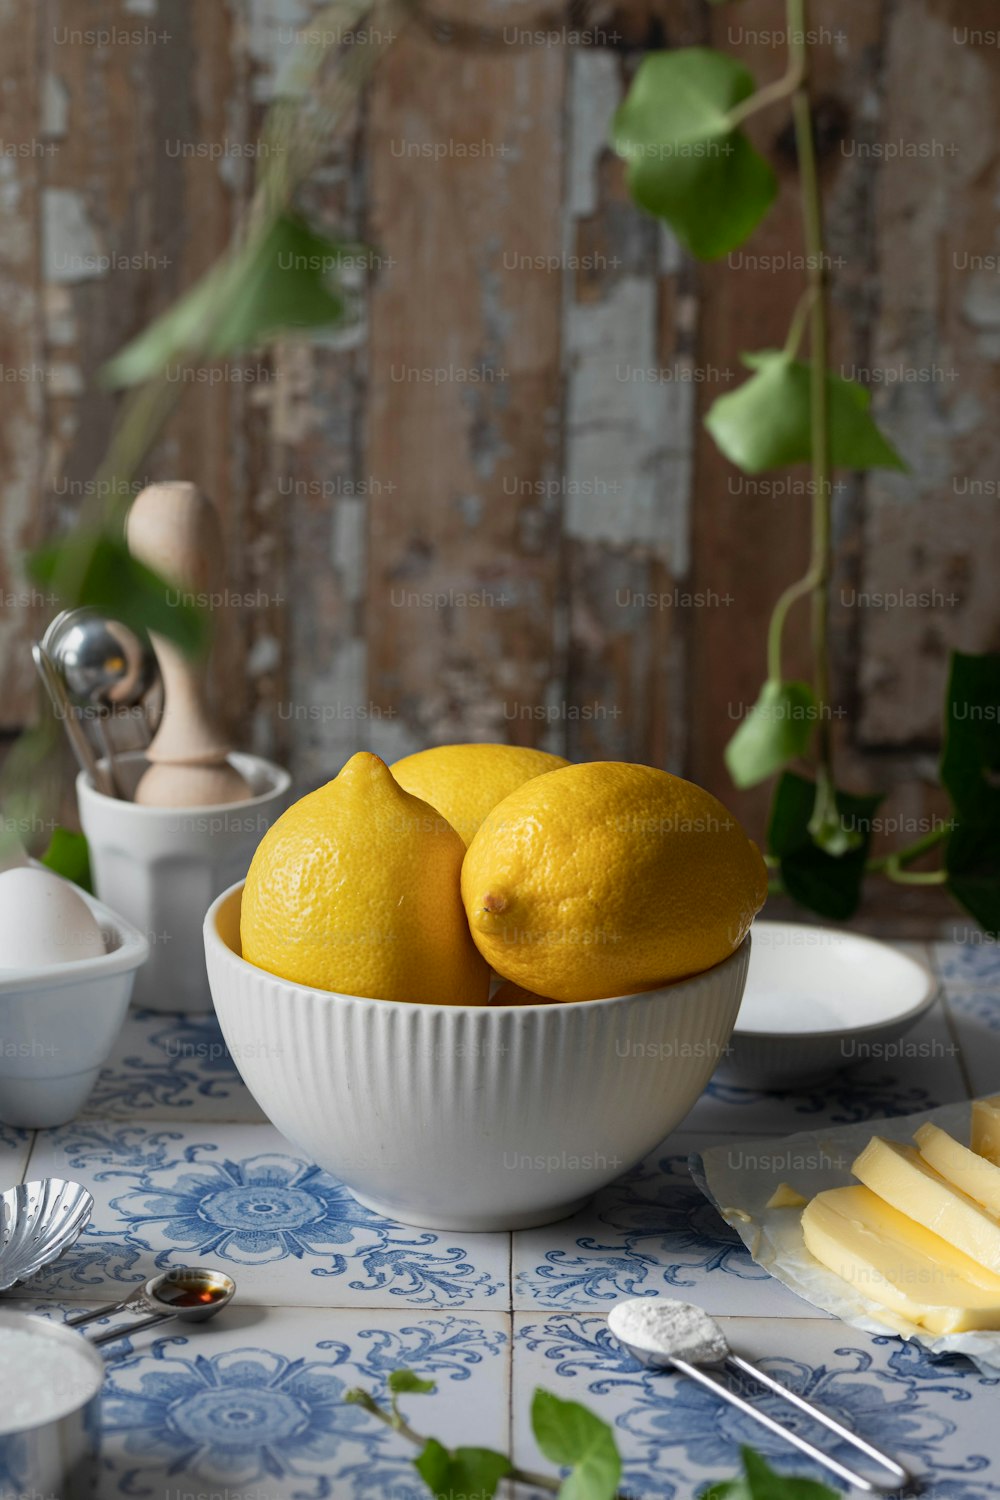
(58, 1025)
(469, 1117)
(161, 866)
(818, 1000)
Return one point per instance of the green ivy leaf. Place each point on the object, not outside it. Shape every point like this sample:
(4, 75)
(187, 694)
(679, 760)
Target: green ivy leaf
(829, 884)
(402, 1382)
(776, 730)
(970, 773)
(764, 423)
(761, 1482)
(278, 281)
(69, 855)
(686, 163)
(457, 1474)
(571, 1436)
(107, 576)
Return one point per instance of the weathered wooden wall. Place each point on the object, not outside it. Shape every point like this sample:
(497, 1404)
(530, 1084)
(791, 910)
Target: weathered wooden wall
(538, 542)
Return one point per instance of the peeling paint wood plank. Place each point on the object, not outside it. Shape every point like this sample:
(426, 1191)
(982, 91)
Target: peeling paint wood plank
(139, 202)
(932, 536)
(23, 372)
(463, 415)
(751, 537)
(627, 446)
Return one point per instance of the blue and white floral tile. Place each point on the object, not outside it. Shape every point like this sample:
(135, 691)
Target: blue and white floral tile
(975, 1012)
(937, 1417)
(923, 1069)
(975, 961)
(15, 1147)
(240, 1197)
(175, 1066)
(251, 1406)
(653, 1232)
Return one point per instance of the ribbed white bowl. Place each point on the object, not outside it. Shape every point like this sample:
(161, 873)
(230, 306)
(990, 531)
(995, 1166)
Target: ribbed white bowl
(471, 1118)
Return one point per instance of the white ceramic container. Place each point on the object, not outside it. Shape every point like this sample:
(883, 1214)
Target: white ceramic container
(469, 1117)
(58, 1025)
(818, 1000)
(56, 1457)
(162, 866)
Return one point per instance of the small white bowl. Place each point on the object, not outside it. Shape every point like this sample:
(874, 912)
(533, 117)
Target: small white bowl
(469, 1117)
(161, 866)
(58, 1025)
(818, 1000)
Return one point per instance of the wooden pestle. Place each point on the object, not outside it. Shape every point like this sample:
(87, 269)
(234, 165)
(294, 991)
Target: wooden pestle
(173, 528)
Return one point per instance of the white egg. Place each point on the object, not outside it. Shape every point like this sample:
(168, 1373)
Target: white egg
(43, 921)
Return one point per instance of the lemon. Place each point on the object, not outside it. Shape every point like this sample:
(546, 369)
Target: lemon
(465, 782)
(356, 889)
(605, 879)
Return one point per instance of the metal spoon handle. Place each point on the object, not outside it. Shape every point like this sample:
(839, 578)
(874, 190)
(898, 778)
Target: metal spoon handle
(80, 1319)
(725, 1394)
(902, 1475)
(122, 1333)
(63, 710)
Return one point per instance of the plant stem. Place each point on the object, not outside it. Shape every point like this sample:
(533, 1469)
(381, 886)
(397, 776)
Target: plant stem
(911, 852)
(815, 581)
(771, 93)
(398, 1423)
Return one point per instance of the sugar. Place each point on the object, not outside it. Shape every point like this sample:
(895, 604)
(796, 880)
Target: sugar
(677, 1330)
(42, 1378)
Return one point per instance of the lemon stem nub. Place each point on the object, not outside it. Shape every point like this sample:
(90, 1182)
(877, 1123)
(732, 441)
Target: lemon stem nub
(494, 904)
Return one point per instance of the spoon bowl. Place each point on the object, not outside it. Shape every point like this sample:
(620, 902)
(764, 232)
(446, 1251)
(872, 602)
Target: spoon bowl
(193, 1294)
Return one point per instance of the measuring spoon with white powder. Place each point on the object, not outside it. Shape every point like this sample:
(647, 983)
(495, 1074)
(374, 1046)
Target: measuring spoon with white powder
(665, 1335)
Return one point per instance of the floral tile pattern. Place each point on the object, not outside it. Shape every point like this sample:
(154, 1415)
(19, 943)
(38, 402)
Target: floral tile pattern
(15, 1146)
(329, 1296)
(239, 1196)
(255, 1407)
(171, 1066)
(652, 1232)
(937, 1417)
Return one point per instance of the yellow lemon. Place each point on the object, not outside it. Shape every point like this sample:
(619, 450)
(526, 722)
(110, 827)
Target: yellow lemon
(465, 782)
(607, 878)
(356, 888)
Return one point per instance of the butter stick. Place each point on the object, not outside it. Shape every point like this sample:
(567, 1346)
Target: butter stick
(903, 1179)
(964, 1169)
(889, 1259)
(986, 1128)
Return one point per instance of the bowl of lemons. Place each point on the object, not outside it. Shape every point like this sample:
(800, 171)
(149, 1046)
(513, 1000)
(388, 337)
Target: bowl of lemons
(481, 984)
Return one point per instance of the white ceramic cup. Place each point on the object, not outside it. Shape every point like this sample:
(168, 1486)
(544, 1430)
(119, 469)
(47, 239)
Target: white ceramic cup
(162, 867)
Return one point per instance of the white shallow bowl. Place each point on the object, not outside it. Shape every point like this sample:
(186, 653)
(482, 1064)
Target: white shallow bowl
(59, 1024)
(818, 1000)
(469, 1117)
(161, 866)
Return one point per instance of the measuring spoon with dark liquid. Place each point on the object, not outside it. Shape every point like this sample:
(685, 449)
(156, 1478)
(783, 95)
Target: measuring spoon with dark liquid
(191, 1293)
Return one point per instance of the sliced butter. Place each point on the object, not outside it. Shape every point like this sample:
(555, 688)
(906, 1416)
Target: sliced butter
(986, 1128)
(785, 1196)
(963, 1168)
(895, 1262)
(900, 1176)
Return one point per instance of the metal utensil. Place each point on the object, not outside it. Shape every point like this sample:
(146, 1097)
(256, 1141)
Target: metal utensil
(38, 1222)
(193, 1294)
(105, 667)
(705, 1345)
(63, 709)
(102, 662)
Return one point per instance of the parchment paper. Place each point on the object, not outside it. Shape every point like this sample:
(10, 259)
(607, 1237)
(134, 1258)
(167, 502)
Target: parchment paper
(740, 1178)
